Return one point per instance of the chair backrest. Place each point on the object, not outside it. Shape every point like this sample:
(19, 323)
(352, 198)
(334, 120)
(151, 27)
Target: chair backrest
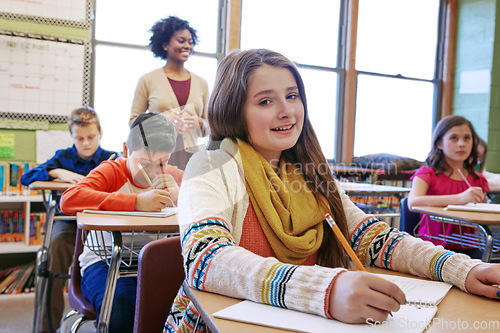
(408, 220)
(160, 274)
(75, 296)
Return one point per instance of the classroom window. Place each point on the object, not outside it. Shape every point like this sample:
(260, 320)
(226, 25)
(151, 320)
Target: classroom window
(397, 73)
(397, 77)
(308, 35)
(121, 55)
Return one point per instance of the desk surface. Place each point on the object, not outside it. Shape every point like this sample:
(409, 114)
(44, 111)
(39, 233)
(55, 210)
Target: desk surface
(472, 217)
(372, 189)
(351, 169)
(126, 223)
(457, 308)
(50, 185)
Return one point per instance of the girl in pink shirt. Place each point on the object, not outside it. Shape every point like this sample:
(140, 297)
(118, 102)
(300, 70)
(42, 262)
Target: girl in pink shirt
(439, 182)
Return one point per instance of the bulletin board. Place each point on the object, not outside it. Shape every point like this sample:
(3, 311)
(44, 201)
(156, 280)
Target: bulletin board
(40, 76)
(44, 75)
(64, 12)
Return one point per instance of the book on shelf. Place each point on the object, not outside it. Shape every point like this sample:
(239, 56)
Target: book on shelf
(476, 207)
(12, 227)
(17, 279)
(422, 296)
(10, 178)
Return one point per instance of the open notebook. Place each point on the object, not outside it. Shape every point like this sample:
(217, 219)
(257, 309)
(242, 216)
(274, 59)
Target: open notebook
(165, 212)
(422, 296)
(478, 207)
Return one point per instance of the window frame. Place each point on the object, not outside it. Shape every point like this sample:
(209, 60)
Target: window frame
(220, 43)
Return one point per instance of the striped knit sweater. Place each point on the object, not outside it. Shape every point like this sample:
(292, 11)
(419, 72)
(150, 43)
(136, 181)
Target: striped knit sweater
(214, 261)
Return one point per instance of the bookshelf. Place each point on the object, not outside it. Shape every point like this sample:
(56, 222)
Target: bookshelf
(22, 203)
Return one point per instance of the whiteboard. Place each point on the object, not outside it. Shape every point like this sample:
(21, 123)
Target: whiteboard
(73, 10)
(40, 76)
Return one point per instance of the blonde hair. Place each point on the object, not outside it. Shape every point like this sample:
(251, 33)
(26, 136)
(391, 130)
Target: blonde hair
(83, 116)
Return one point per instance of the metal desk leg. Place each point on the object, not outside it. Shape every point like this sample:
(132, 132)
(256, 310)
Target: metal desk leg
(488, 246)
(42, 268)
(109, 293)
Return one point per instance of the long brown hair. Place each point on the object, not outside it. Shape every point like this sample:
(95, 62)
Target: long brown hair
(227, 120)
(436, 159)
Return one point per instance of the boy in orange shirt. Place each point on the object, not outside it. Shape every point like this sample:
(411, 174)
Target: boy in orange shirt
(119, 185)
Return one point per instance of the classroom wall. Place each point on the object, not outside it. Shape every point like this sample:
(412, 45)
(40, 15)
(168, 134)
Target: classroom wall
(477, 53)
(25, 142)
(24, 138)
(493, 161)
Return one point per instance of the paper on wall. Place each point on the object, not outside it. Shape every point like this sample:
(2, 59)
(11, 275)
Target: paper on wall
(48, 142)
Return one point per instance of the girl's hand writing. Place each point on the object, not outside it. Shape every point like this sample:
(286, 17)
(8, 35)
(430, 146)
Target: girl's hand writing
(152, 201)
(473, 194)
(360, 296)
(484, 280)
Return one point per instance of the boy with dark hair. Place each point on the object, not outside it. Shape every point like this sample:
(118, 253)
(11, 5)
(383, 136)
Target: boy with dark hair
(120, 186)
(69, 165)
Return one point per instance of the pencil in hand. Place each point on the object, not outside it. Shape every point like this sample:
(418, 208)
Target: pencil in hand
(345, 244)
(145, 175)
(463, 177)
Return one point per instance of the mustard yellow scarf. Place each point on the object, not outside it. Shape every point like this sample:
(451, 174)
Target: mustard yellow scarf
(287, 210)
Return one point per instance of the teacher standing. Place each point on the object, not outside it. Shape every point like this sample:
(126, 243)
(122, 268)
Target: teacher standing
(172, 90)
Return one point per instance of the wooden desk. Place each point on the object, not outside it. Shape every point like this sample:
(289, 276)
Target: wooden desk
(117, 224)
(458, 311)
(50, 185)
(480, 221)
(55, 189)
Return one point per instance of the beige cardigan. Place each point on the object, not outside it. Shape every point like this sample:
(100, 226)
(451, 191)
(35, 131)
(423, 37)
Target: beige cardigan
(154, 93)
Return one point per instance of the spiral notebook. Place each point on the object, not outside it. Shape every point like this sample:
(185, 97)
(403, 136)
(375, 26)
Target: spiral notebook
(422, 296)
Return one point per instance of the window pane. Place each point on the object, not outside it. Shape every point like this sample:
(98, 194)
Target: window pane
(398, 37)
(129, 21)
(321, 92)
(304, 32)
(393, 116)
(117, 71)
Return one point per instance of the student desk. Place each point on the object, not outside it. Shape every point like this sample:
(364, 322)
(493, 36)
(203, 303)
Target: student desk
(458, 311)
(480, 221)
(379, 200)
(55, 189)
(116, 224)
(359, 174)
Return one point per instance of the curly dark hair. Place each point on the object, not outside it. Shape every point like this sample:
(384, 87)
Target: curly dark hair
(163, 30)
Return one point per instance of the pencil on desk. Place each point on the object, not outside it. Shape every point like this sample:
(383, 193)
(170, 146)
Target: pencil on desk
(145, 175)
(345, 244)
(463, 177)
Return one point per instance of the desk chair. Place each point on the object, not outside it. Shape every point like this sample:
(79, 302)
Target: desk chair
(408, 220)
(81, 306)
(159, 276)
